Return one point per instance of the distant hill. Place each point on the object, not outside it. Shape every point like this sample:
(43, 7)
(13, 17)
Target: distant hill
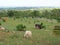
(18, 8)
(23, 8)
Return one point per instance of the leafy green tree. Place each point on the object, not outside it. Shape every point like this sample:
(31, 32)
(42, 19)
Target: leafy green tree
(55, 14)
(35, 13)
(10, 13)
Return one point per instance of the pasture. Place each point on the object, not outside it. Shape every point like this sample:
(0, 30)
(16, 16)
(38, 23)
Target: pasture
(43, 36)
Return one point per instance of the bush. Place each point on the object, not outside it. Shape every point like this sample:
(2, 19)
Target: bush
(56, 30)
(21, 27)
(42, 26)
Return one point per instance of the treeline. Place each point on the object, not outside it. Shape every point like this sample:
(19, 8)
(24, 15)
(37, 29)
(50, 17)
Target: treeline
(51, 14)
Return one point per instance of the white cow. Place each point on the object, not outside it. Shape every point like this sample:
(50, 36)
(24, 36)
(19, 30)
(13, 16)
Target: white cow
(28, 34)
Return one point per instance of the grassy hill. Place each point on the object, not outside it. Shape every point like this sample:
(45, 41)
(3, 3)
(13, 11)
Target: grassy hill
(43, 36)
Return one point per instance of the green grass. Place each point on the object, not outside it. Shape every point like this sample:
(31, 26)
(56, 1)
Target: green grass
(40, 36)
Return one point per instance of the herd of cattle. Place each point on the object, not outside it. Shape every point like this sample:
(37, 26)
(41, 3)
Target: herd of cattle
(27, 33)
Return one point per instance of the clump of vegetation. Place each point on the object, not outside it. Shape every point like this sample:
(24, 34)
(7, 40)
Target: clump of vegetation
(42, 26)
(56, 30)
(21, 27)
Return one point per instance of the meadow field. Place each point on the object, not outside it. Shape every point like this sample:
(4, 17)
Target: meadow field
(43, 36)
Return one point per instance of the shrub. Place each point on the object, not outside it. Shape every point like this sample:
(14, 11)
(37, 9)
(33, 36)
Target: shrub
(21, 27)
(42, 25)
(56, 30)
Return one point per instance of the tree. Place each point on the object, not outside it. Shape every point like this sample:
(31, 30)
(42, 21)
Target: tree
(10, 13)
(55, 14)
(36, 13)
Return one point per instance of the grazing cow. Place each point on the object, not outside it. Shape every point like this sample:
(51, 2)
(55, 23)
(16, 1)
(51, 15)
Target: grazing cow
(28, 34)
(38, 26)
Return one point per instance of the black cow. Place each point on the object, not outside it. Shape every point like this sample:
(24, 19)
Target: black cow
(38, 26)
